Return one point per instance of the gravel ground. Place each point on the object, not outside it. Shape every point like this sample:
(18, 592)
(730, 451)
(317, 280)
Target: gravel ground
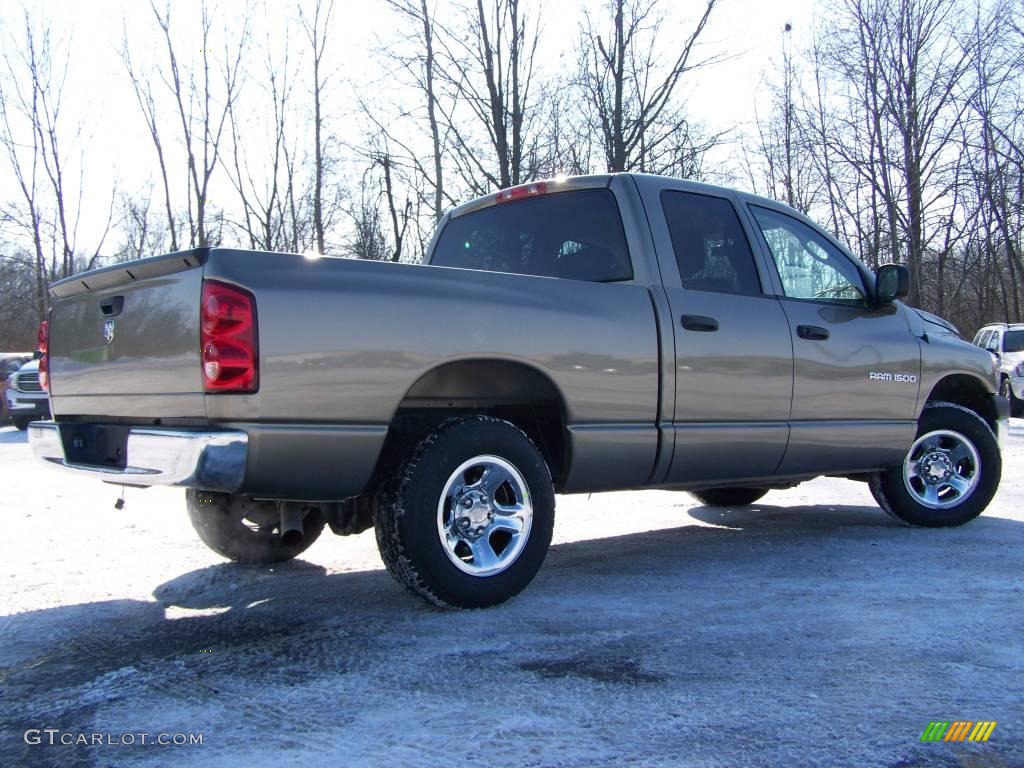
(810, 630)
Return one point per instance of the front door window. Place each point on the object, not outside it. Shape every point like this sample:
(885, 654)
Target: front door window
(809, 266)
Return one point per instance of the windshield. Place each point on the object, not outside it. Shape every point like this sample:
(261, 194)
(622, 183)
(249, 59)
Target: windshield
(1013, 341)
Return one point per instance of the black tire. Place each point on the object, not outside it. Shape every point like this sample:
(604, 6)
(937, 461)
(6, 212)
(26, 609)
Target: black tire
(407, 513)
(1016, 406)
(22, 422)
(246, 530)
(728, 497)
(890, 490)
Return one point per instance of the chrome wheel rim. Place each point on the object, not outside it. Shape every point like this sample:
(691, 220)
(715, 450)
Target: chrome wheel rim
(942, 469)
(484, 516)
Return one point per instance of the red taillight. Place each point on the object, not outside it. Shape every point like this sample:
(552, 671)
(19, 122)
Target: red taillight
(44, 357)
(523, 190)
(227, 327)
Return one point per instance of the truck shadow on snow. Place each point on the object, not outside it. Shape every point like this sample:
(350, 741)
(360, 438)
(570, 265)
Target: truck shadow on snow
(594, 612)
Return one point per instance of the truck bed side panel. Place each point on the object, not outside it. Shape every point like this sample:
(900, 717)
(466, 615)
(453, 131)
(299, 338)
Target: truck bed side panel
(343, 341)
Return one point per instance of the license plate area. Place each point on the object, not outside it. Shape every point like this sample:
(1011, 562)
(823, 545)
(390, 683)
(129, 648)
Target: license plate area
(98, 445)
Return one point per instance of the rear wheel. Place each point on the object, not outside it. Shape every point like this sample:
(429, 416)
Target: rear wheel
(467, 519)
(246, 530)
(728, 497)
(950, 473)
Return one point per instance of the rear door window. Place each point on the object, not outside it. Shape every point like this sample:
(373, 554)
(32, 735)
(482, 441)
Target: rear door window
(573, 235)
(711, 249)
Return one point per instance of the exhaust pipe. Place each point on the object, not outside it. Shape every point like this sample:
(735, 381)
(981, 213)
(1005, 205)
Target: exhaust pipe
(291, 523)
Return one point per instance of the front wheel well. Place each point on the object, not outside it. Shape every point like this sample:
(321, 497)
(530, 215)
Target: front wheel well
(968, 392)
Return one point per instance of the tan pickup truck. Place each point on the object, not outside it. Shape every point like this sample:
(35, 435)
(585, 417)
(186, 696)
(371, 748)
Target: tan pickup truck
(571, 336)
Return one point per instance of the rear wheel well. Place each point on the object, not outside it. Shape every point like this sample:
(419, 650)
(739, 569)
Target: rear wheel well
(968, 392)
(505, 390)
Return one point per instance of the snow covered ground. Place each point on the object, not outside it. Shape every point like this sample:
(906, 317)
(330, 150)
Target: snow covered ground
(808, 630)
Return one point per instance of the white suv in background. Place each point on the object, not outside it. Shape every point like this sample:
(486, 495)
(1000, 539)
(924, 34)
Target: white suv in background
(1006, 341)
(26, 399)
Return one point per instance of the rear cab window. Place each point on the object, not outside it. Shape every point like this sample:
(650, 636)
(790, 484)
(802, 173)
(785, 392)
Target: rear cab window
(575, 235)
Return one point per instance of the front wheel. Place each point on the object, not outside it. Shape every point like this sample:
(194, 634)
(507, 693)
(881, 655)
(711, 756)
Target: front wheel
(246, 530)
(22, 422)
(466, 520)
(948, 476)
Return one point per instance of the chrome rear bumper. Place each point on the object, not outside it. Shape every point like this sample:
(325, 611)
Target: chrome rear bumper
(213, 461)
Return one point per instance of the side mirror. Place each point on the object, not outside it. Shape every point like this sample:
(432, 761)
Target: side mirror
(892, 282)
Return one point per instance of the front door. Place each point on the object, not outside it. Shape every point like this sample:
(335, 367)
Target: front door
(857, 368)
(733, 354)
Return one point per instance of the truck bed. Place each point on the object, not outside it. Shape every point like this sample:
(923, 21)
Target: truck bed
(343, 344)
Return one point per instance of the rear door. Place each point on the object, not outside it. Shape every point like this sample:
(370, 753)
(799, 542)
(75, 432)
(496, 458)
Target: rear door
(733, 354)
(857, 368)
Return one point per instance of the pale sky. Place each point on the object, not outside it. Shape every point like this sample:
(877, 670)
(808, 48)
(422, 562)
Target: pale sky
(118, 144)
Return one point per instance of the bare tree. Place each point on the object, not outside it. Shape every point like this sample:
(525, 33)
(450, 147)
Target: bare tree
(19, 320)
(316, 33)
(566, 144)
(141, 228)
(202, 91)
(901, 64)
(997, 151)
(384, 205)
(260, 182)
(422, 65)
(785, 157)
(35, 137)
(634, 96)
(489, 66)
(142, 86)
(25, 157)
(902, 130)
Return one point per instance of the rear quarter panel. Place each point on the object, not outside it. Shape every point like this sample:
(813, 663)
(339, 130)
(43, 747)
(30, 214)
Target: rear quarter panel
(342, 341)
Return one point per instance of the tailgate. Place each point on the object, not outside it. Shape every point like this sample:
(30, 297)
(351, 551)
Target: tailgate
(131, 329)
